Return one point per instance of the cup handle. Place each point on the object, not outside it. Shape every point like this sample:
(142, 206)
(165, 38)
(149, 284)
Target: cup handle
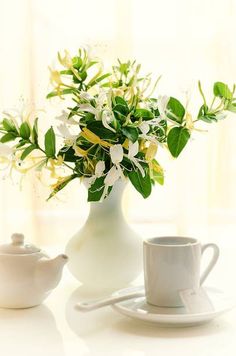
(216, 253)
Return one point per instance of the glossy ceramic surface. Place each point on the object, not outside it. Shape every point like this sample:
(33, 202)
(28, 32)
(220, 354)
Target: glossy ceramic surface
(138, 308)
(172, 264)
(27, 274)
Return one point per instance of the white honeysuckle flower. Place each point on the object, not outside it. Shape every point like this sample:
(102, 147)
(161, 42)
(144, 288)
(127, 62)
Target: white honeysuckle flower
(107, 117)
(133, 151)
(100, 101)
(144, 127)
(65, 132)
(116, 172)
(63, 117)
(88, 108)
(88, 181)
(85, 96)
(112, 176)
(162, 103)
(102, 111)
(116, 153)
(99, 169)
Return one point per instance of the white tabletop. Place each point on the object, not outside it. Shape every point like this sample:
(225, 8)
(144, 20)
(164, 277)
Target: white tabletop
(55, 328)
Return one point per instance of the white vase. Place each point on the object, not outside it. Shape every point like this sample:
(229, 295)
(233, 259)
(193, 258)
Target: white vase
(106, 253)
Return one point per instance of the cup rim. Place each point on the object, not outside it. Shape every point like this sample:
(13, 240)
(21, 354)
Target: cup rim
(191, 241)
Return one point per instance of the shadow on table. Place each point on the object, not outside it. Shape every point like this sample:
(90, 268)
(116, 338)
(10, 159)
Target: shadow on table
(30, 331)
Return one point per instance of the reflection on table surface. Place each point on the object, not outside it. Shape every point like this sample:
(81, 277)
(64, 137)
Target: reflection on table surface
(30, 331)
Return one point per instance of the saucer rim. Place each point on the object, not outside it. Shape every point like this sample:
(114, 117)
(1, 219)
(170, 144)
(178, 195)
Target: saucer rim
(172, 318)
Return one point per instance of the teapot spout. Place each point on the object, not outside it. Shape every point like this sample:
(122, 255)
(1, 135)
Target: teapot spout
(48, 272)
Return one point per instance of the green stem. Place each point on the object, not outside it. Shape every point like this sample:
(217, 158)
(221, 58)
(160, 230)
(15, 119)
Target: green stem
(201, 92)
(40, 149)
(213, 101)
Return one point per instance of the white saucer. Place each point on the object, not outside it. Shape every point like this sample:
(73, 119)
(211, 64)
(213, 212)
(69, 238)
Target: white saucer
(138, 308)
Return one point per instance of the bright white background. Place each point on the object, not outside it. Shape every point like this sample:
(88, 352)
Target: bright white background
(183, 40)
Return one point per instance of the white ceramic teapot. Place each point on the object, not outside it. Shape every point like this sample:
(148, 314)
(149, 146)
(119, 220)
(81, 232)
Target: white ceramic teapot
(27, 275)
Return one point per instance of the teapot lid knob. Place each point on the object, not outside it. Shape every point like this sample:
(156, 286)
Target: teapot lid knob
(17, 239)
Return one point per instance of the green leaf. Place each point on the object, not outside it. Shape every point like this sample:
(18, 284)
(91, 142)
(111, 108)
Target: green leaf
(25, 131)
(177, 139)
(22, 143)
(202, 111)
(62, 185)
(77, 62)
(141, 184)
(121, 101)
(68, 153)
(96, 190)
(35, 131)
(60, 92)
(83, 75)
(222, 90)
(27, 151)
(231, 107)
(9, 125)
(130, 132)
(121, 109)
(99, 79)
(66, 72)
(50, 143)
(144, 114)
(176, 109)
(206, 116)
(98, 128)
(7, 137)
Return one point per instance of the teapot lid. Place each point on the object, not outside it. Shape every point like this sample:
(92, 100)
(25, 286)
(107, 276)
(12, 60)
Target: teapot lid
(17, 246)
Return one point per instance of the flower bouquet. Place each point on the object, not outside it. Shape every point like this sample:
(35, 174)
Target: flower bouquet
(110, 129)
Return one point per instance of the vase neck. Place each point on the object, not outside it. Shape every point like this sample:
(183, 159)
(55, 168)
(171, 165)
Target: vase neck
(112, 204)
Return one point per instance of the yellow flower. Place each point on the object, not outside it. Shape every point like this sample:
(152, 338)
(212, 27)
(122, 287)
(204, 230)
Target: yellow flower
(93, 138)
(53, 164)
(79, 151)
(151, 152)
(189, 121)
(55, 77)
(59, 182)
(66, 61)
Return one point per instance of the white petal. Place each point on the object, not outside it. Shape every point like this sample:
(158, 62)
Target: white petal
(88, 181)
(99, 169)
(112, 176)
(5, 150)
(144, 127)
(106, 118)
(116, 153)
(133, 149)
(64, 118)
(138, 165)
(162, 104)
(121, 172)
(86, 96)
(64, 131)
(87, 108)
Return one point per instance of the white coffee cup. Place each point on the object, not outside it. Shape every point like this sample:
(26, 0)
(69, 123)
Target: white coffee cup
(171, 265)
